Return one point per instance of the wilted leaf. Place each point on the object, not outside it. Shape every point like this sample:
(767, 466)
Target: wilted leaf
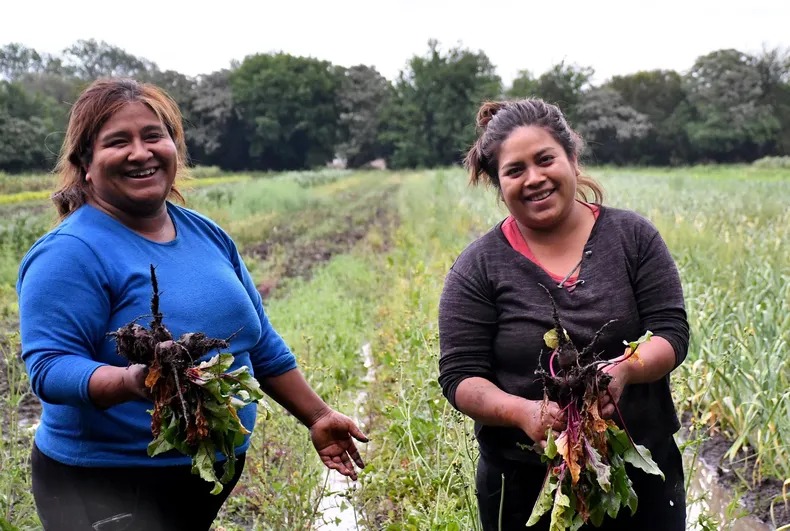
(600, 469)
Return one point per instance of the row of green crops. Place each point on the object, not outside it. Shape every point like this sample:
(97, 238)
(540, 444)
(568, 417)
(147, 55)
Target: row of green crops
(730, 234)
(727, 227)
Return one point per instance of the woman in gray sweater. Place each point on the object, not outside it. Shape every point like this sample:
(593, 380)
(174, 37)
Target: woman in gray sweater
(600, 264)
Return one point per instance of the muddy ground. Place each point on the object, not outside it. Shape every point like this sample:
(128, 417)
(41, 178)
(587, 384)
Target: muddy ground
(757, 500)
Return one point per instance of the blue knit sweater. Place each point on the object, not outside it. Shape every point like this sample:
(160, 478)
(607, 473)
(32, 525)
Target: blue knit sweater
(90, 276)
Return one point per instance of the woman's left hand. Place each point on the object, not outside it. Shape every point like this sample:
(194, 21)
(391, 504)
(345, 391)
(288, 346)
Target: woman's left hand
(620, 375)
(332, 436)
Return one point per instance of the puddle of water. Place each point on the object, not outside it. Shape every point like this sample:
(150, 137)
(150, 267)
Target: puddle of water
(337, 512)
(711, 500)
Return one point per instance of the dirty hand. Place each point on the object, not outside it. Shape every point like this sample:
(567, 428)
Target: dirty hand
(134, 381)
(332, 437)
(539, 418)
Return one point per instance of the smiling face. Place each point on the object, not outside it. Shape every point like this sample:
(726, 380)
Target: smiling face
(134, 164)
(537, 179)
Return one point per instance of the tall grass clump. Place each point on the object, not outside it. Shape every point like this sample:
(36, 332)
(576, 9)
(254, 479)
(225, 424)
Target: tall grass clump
(730, 235)
(17, 509)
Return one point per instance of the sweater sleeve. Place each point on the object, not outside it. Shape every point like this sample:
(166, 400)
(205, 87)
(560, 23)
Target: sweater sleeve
(659, 296)
(271, 355)
(467, 326)
(64, 303)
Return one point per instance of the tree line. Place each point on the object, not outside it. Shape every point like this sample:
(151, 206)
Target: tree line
(278, 111)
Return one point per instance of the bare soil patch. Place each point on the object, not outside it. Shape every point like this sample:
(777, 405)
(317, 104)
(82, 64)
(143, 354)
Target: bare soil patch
(299, 248)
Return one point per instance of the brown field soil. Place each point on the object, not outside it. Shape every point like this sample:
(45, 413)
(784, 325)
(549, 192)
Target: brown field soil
(297, 248)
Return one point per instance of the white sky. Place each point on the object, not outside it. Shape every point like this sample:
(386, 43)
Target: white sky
(612, 36)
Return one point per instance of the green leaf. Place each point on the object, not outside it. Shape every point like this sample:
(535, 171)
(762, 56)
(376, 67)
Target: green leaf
(552, 340)
(577, 522)
(159, 445)
(597, 508)
(214, 388)
(622, 484)
(551, 446)
(641, 458)
(203, 465)
(618, 440)
(217, 364)
(168, 433)
(545, 498)
(228, 469)
(560, 515)
(611, 503)
(247, 382)
(633, 345)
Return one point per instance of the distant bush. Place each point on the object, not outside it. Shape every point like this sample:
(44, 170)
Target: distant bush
(772, 162)
(12, 184)
(202, 172)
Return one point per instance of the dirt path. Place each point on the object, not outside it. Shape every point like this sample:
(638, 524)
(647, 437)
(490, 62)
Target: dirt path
(297, 245)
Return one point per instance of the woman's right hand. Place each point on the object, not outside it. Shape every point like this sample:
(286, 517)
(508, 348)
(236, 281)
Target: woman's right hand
(110, 385)
(538, 416)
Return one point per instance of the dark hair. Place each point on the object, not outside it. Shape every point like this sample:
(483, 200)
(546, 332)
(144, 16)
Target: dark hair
(90, 112)
(497, 119)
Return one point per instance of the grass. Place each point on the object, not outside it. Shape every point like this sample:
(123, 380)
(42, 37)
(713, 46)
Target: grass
(16, 500)
(727, 227)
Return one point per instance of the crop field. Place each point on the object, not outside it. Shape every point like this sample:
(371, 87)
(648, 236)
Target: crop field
(351, 266)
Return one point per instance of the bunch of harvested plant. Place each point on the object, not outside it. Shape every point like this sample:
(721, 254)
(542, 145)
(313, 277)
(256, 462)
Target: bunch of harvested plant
(586, 477)
(195, 405)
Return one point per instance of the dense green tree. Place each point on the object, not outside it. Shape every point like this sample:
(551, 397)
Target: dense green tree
(660, 95)
(16, 60)
(362, 96)
(609, 126)
(288, 106)
(525, 85)
(564, 85)
(215, 133)
(774, 68)
(430, 121)
(277, 111)
(730, 122)
(24, 127)
(91, 59)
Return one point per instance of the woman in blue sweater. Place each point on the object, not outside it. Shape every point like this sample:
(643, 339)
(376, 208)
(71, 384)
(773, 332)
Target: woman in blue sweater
(123, 151)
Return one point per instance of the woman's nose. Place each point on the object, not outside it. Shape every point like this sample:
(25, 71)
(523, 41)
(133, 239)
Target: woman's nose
(139, 151)
(533, 176)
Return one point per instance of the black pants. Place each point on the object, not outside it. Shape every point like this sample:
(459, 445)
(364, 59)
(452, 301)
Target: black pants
(70, 498)
(661, 506)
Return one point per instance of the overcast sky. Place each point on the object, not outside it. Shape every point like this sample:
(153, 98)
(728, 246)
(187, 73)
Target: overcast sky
(613, 37)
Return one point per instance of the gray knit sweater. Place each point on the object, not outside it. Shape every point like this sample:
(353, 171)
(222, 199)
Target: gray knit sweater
(493, 314)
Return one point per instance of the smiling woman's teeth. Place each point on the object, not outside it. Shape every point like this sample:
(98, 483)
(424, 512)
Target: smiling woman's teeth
(142, 173)
(541, 196)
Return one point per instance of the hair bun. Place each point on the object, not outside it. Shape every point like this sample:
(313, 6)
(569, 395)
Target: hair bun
(487, 112)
